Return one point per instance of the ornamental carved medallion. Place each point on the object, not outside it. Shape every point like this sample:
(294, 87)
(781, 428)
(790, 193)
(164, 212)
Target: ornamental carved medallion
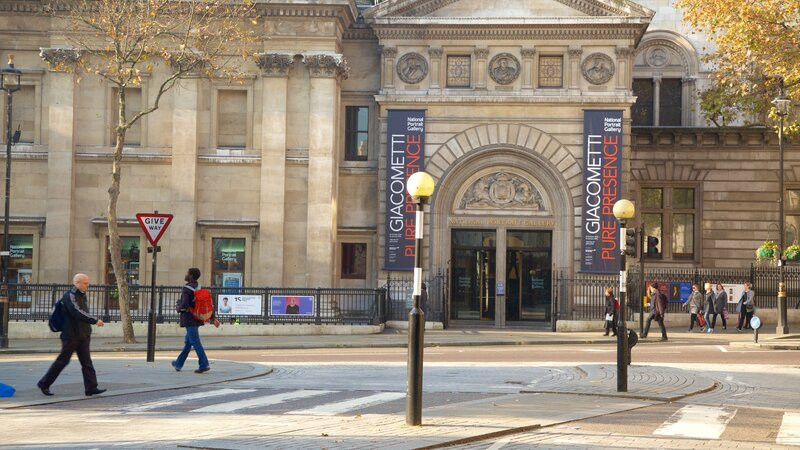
(504, 68)
(598, 68)
(657, 57)
(502, 190)
(412, 68)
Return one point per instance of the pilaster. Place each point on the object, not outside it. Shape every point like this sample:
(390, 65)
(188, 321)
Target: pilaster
(528, 56)
(656, 100)
(623, 68)
(436, 66)
(479, 74)
(388, 54)
(574, 69)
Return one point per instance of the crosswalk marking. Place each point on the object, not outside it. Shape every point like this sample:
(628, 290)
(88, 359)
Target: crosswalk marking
(696, 421)
(789, 432)
(260, 401)
(331, 409)
(170, 401)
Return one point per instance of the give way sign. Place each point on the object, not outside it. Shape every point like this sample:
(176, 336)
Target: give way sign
(154, 225)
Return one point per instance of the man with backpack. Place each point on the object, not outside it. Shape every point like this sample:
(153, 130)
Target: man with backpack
(71, 317)
(195, 310)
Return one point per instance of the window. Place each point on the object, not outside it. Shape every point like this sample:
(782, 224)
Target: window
(227, 267)
(133, 105)
(356, 133)
(791, 204)
(130, 259)
(459, 71)
(669, 216)
(20, 268)
(354, 260)
(23, 114)
(551, 71)
(669, 92)
(232, 118)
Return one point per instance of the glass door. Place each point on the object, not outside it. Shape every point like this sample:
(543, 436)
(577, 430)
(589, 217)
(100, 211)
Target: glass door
(528, 275)
(473, 274)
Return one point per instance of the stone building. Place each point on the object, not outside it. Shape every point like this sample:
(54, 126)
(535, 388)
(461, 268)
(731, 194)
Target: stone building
(280, 180)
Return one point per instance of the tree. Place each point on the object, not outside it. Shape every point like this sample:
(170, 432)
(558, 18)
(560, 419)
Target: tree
(757, 46)
(121, 41)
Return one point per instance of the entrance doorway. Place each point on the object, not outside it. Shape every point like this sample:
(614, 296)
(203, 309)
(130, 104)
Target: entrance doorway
(527, 274)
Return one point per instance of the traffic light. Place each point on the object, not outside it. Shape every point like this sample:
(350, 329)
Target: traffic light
(631, 242)
(652, 246)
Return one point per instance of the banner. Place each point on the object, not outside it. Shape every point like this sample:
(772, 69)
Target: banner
(291, 305)
(239, 305)
(602, 187)
(405, 137)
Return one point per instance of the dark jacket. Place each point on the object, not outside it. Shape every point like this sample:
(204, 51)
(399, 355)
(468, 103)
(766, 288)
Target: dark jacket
(77, 320)
(611, 305)
(709, 303)
(721, 301)
(187, 301)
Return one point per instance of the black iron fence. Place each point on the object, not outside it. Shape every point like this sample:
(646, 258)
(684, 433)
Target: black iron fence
(399, 297)
(34, 302)
(587, 290)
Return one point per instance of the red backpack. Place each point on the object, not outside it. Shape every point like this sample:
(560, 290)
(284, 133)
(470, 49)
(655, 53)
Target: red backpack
(203, 306)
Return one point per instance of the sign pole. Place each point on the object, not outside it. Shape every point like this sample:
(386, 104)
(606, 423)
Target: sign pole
(154, 225)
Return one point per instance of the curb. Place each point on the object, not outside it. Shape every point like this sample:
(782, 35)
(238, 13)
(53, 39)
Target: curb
(481, 437)
(653, 398)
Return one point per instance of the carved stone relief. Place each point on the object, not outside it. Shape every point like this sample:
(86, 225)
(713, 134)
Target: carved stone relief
(657, 57)
(504, 68)
(274, 64)
(502, 190)
(327, 66)
(598, 68)
(412, 68)
(59, 57)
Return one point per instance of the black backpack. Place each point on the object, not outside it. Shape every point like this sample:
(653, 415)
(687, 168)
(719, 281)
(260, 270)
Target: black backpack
(56, 321)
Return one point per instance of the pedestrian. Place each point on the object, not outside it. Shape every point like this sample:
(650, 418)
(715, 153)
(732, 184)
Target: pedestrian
(746, 307)
(610, 312)
(721, 305)
(191, 324)
(658, 309)
(710, 308)
(75, 337)
(423, 299)
(694, 305)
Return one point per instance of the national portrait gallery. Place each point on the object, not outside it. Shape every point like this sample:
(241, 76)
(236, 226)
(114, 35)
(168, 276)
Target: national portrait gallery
(532, 116)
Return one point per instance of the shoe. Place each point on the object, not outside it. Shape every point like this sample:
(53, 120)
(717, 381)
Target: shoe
(45, 390)
(202, 370)
(710, 330)
(605, 334)
(663, 339)
(95, 391)
(724, 327)
(175, 365)
(738, 330)
(689, 330)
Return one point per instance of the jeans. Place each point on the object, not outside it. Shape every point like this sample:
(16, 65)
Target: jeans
(192, 340)
(711, 319)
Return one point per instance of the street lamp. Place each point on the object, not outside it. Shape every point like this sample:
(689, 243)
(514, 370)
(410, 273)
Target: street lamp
(782, 107)
(10, 78)
(420, 186)
(623, 210)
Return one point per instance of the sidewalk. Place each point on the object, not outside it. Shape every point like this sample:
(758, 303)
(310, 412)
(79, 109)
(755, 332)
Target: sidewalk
(389, 338)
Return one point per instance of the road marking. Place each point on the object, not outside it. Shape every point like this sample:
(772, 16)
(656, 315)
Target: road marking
(696, 421)
(331, 409)
(789, 432)
(107, 420)
(170, 401)
(260, 401)
(499, 444)
(722, 349)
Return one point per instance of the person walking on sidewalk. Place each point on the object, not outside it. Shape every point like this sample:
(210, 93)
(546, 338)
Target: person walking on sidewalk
(746, 307)
(658, 309)
(610, 312)
(191, 324)
(710, 308)
(75, 337)
(721, 305)
(694, 305)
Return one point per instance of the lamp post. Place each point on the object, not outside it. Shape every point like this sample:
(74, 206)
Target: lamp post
(420, 186)
(10, 78)
(782, 106)
(623, 210)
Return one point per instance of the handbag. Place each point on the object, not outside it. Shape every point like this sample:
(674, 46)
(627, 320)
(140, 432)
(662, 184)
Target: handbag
(725, 314)
(701, 321)
(609, 318)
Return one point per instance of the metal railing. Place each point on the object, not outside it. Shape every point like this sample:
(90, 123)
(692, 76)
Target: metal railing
(399, 297)
(34, 302)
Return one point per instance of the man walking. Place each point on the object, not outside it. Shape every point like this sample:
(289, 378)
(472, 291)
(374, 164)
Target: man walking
(191, 324)
(658, 308)
(75, 337)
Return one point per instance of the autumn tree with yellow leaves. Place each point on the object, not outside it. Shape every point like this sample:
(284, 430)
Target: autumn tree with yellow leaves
(125, 41)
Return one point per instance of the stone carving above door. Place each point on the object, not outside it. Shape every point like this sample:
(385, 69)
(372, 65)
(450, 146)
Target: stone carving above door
(412, 68)
(502, 190)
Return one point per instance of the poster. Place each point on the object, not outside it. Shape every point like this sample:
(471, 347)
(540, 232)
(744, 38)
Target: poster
(239, 305)
(405, 157)
(291, 305)
(679, 292)
(602, 187)
(734, 291)
(24, 277)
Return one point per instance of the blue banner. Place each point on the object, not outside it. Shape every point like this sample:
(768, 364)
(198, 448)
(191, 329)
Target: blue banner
(405, 136)
(602, 187)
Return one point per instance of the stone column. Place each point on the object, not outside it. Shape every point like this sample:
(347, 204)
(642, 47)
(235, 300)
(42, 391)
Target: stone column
(623, 58)
(56, 263)
(687, 89)
(574, 68)
(275, 84)
(389, 54)
(326, 71)
(180, 253)
(436, 63)
(528, 55)
(656, 100)
(479, 73)
(500, 277)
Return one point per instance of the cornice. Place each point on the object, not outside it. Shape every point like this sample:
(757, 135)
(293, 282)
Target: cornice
(613, 99)
(343, 11)
(419, 8)
(542, 32)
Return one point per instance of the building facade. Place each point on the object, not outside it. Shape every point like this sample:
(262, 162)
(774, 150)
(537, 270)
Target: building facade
(281, 180)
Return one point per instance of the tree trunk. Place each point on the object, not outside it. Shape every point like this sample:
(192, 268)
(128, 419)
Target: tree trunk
(113, 233)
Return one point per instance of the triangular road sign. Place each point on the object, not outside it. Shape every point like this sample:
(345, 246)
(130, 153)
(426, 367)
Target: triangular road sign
(154, 225)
